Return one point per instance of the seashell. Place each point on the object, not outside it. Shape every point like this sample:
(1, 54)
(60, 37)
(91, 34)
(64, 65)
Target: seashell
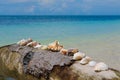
(55, 46)
(85, 60)
(35, 43)
(101, 66)
(24, 42)
(92, 63)
(78, 56)
(38, 46)
(64, 51)
(32, 44)
(72, 51)
(29, 40)
(44, 47)
(21, 41)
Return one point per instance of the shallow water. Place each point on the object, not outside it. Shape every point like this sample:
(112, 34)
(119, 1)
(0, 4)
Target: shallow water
(97, 36)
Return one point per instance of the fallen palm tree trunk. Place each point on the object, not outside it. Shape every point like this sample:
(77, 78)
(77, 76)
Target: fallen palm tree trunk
(27, 63)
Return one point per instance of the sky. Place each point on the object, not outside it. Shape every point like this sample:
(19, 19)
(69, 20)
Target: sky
(59, 7)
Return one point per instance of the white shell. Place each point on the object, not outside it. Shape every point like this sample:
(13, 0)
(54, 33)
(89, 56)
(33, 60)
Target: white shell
(44, 47)
(85, 60)
(92, 63)
(101, 66)
(78, 56)
(23, 40)
(38, 46)
(29, 44)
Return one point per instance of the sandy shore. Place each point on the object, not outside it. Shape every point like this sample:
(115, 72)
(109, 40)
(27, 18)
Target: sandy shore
(106, 49)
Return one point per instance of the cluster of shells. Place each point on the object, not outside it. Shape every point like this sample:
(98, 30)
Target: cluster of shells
(77, 55)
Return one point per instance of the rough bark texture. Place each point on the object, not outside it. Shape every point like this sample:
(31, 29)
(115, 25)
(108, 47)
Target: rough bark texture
(27, 63)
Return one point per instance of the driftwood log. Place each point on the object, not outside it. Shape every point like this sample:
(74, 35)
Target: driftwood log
(27, 63)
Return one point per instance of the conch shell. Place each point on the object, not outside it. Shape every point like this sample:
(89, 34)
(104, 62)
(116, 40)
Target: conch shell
(55, 46)
(101, 66)
(85, 60)
(64, 51)
(78, 56)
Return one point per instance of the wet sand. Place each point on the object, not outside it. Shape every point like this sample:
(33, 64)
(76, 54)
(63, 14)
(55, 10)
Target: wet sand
(106, 49)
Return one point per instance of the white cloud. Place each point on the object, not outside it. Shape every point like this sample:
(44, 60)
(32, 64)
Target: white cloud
(53, 5)
(71, 0)
(59, 8)
(64, 5)
(99, 1)
(46, 2)
(88, 5)
(18, 1)
(86, 8)
(67, 0)
(30, 9)
(13, 1)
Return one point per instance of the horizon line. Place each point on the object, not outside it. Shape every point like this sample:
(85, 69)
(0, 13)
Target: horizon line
(57, 15)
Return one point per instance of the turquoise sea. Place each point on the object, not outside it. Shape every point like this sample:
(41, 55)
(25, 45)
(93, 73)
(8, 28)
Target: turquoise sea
(64, 28)
(97, 36)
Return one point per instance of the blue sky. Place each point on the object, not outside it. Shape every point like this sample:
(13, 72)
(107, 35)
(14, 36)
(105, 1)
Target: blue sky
(59, 7)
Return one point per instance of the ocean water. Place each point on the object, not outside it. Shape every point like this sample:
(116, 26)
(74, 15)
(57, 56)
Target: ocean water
(50, 28)
(97, 36)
